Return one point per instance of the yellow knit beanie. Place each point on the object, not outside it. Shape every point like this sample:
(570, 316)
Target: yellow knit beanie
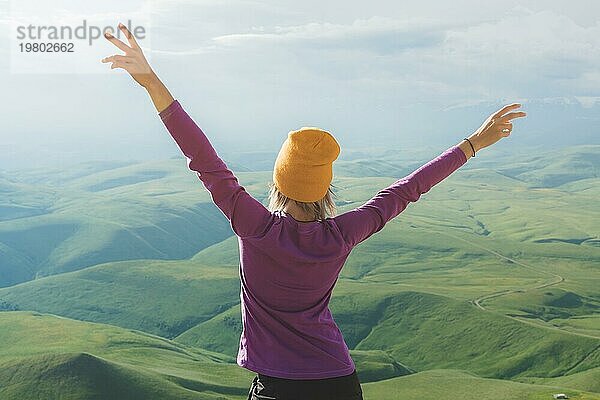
(304, 166)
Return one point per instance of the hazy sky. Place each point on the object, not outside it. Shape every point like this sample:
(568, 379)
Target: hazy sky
(391, 72)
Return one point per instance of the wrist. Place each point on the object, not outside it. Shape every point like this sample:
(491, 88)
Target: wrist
(466, 149)
(152, 82)
(160, 95)
(474, 139)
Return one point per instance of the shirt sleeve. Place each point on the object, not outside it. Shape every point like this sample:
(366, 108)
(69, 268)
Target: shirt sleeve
(359, 223)
(248, 217)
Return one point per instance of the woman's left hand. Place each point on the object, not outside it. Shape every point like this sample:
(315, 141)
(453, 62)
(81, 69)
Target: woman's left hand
(133, 61)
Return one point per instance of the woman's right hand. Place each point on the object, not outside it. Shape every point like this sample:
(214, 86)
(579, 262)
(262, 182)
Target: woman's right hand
(135, 63)
(496, 126)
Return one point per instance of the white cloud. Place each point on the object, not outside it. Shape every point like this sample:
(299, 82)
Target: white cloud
(588, 101)
(379, 33)
(188, 52)
(541, 36)
(349, 64)
(519, 52)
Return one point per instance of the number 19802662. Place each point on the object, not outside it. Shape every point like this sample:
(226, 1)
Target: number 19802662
(47, 47)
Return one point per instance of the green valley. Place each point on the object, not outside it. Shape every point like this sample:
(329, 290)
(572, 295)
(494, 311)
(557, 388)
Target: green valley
(121, 281)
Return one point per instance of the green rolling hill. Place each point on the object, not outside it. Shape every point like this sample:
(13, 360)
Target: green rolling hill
(426, 331)
(588, 380)
(156, 296)
(486, 288)
(78, 359)
(84, 376)
(112, 215)
(56, 358)
(449, 385)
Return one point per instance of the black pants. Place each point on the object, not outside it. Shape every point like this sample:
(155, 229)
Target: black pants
(270, 388)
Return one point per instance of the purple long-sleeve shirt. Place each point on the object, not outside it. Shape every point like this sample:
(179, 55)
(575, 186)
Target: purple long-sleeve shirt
(288, 268)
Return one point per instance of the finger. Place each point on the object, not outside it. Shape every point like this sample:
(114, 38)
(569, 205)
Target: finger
(488, 124)
(512, 115)
(118, 64)
(116, 42)
(505, 128)
(117, 57)
(129, 36)
(504, 109)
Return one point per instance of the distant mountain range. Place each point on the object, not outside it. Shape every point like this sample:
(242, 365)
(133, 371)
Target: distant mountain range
(551, 123)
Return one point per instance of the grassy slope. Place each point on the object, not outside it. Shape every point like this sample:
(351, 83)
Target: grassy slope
(158, 209)
(558, 167)
(554, 306)
(68, 351)
(84, 376)
(430, 248)
(414, 327)
(426, 331)
(448, 244)
(54, 358)
(155, 296)
(222, 334)
(451, 385)
(149, 210)
(588, 380)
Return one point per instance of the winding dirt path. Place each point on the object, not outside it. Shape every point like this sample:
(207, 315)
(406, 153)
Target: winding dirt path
(555, 280)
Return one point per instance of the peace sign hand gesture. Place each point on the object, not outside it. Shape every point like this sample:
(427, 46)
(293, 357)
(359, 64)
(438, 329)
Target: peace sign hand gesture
(133, 61)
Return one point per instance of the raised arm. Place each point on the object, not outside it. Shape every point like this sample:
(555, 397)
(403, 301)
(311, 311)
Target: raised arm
(359, 223)
(248, 217)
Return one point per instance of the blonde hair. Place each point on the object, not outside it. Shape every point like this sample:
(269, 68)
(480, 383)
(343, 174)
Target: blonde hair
(318, 210)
